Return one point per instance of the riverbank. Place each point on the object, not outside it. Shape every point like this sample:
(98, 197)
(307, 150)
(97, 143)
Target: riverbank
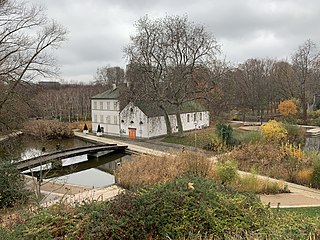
(54, 192)
(299, 196)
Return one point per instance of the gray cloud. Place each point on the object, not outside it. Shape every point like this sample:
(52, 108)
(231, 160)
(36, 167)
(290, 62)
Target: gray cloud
(245, 28)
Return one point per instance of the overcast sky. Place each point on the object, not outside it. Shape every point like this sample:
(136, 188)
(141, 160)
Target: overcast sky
(99, 29)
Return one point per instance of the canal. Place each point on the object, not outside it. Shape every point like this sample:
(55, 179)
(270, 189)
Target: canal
(80, 170)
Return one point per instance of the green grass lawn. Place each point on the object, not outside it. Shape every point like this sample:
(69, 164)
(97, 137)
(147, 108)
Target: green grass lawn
(198, 138)
(313, 212)
(202, 137)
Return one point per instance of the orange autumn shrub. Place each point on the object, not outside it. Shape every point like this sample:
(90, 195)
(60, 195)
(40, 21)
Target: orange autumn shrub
(287, 108)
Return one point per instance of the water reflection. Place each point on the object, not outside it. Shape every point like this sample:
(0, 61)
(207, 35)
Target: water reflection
(79, 170)
(91, 177)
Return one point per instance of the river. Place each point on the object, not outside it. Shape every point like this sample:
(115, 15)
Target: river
(79, 170)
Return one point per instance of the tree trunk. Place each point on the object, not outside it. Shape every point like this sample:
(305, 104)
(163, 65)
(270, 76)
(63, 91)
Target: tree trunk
(180, 127)
(304, 100)
(167, 120)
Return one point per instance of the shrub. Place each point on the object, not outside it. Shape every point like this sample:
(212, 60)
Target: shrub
(12, 186)
(304, 176)
(281, 162)
(224, 132)
(172, 210)
(48, 129)
(287, 108)
(315, 177)
(247, 137)
(314, 114)
(264, 158)
(295, 134)
(227, 172)
(217, 145)
(8, 235)
(293, 159)
(274, 131)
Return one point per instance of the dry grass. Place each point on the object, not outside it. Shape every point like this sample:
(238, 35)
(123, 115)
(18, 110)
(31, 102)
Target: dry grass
(48, 129)
(304, 176)
(251, 183)
(273, 161)
(265, 159)
(80, 125)
(147, 170)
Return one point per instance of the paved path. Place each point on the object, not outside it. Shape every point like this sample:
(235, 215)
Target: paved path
(300, 196)
(8, 136)
(100, 194)
(49, 157)
(131, 147)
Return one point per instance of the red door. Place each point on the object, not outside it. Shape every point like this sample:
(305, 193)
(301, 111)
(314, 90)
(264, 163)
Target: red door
(132, 133)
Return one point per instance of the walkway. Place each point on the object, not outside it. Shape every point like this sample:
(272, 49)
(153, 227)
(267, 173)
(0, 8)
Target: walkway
(299, 197)
(49, 157)
(133, 147)
(11, 135)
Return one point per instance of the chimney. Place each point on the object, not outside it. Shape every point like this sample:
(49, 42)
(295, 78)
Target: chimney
(114, 86)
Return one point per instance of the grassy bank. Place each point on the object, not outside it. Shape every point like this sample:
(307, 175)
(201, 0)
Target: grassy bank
(311, 212)
(186, 207)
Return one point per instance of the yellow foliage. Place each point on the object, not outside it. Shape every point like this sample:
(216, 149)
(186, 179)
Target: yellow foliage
(304, 176)
(273, 131)
(287, 107)
(292, 151)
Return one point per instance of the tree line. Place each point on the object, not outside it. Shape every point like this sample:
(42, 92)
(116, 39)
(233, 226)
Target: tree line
(171, 61)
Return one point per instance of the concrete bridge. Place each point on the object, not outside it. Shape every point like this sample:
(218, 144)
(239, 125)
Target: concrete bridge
(58, 156)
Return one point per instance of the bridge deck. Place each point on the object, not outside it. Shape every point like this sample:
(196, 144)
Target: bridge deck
(43, 159)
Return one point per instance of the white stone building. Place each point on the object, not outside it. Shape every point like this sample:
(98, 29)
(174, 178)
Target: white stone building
(146, 120)
(142, 120)
(105, 111)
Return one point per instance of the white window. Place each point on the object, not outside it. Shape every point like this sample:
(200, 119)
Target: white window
(188, 117)
(115, 119)
(108, 105)
(194, 117)
(115, 105)
(108, 119)
(94, 118)
(200, 116)
(94, 105)
(101, 105)
(101, 118)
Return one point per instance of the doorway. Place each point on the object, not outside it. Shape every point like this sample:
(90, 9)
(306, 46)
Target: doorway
(132, 133)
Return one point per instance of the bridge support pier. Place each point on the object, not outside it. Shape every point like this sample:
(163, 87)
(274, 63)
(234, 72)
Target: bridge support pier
(57, 163)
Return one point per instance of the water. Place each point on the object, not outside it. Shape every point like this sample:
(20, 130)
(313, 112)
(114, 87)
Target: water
(79, 170)
(313, 143)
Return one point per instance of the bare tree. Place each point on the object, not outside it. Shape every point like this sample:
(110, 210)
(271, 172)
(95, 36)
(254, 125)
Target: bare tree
(26, 38)
(252, 85)
(305, 63)
(109, 75)
(68, 102)
(284, 78)
(163, 57)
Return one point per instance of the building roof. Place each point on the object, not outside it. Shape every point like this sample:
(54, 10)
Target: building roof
(109, 94)
(152, 109)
